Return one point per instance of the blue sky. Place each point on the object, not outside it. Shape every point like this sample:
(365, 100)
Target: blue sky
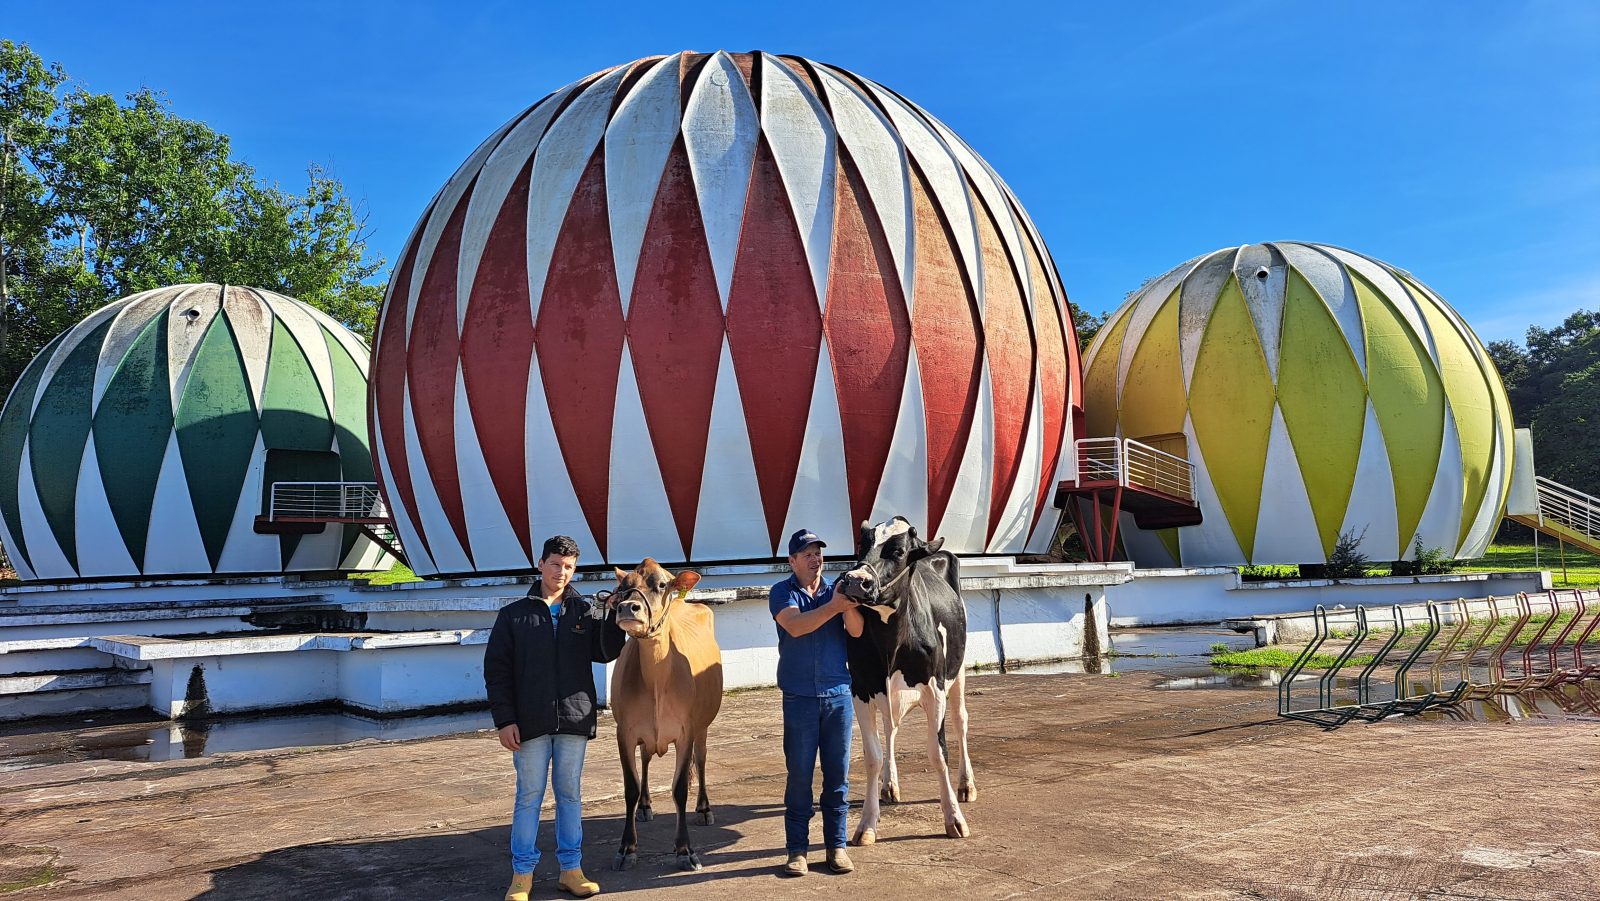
(1458, 140)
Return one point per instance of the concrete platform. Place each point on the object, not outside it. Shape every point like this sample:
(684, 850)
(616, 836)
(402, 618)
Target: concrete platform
(1091, 787)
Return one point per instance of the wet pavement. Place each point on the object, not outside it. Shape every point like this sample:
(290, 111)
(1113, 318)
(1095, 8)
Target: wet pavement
(1089, 787)
(133, 736)
(1179, 653)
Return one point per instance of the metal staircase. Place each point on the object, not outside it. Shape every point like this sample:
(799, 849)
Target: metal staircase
(309, 506)
(1564, 513)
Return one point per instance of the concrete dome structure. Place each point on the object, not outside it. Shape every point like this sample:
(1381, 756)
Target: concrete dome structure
(687, 305)
(1318, 392)
(142, 440)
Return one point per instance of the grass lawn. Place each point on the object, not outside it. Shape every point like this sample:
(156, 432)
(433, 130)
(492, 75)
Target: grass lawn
(1280, 658)
(397, 573)
(1583, 570)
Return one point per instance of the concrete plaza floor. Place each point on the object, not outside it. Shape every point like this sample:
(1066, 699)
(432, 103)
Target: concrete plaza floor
(1091, 787)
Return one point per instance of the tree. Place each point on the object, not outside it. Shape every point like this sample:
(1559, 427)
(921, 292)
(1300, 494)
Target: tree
(1564, 430)
(1554, 386)
(100, 198)
(1087, 325)
(27, 111)
(310, 246)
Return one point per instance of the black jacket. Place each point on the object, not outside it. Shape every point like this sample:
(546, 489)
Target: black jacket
(540, 678)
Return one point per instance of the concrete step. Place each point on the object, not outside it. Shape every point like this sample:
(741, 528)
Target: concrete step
(72, 680)
(32, 695)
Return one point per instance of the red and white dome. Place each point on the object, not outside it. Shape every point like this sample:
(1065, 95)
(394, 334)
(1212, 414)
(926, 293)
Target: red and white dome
(688, 305)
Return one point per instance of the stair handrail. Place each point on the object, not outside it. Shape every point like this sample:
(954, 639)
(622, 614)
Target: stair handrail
(1568, 506)
(1129, 462)
(1165, 472)
(326, 500)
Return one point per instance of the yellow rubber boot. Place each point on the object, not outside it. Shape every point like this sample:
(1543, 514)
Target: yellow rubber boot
(579, 885)
(521, 885)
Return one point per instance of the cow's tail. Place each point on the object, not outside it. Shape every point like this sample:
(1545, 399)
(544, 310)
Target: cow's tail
(944, 749)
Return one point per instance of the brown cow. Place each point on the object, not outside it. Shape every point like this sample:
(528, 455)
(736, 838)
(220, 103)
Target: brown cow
(666, 690)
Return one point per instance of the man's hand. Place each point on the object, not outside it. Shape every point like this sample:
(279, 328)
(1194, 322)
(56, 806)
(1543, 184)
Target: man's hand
(797, 624)
(511, 738)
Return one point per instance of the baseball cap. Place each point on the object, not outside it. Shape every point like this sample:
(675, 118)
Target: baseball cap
(803, 539)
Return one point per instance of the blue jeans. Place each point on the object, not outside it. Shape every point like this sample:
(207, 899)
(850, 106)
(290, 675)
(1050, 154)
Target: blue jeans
(533, 764)
(813, 726)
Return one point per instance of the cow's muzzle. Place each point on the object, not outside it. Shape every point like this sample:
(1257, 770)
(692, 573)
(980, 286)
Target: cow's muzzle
(633, 617)
(859, 585)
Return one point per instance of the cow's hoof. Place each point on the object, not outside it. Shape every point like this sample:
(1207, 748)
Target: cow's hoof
(689, 862)
(625, 860)
(864, 837)
(957, 828)
(967, 793)
(890, 793)
(707, 818)
(644, 814)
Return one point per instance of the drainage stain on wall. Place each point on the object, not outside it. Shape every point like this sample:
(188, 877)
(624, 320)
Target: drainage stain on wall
(196, 702)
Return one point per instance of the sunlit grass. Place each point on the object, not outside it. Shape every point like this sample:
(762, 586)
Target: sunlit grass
(1280, 658)
(1582, 569)
(397, 573)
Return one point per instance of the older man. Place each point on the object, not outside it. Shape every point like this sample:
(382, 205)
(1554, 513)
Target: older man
(817, 711)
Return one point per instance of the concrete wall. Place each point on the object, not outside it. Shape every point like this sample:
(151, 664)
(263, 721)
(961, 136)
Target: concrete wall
(391, 680)
(1211, 594)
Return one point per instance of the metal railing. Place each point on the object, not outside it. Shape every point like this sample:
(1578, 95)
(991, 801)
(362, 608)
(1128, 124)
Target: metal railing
(1569, 507)
(327, 501)
(1129, 462)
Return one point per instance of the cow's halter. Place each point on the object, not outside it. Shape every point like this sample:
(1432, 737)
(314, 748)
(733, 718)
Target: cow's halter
(898, 577)
(650, 610)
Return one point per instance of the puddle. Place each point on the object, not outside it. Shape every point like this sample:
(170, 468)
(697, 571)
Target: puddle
(1266, 678)
(1565, 702)
(1180, 653)
(136, 737)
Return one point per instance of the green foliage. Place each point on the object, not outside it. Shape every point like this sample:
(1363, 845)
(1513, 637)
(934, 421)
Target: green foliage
(1086, 325)
(1268, 573)
(101, 198)
(1554, 385)
(1347, 561)
(1435, 561)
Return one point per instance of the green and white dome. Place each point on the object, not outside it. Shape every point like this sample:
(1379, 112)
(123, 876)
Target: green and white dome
(1318, 392)
(142, 441)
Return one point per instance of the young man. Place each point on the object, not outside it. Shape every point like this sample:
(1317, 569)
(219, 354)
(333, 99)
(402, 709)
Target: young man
(817, 708)
(541, 692)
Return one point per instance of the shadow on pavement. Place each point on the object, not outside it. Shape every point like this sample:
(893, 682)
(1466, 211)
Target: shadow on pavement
(477, 864)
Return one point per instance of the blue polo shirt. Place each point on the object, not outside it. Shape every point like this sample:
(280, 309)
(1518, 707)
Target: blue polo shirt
(814, 665)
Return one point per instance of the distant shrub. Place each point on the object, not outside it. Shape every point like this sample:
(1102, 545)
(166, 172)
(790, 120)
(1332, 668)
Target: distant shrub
(1347, 561)
(1424, 562)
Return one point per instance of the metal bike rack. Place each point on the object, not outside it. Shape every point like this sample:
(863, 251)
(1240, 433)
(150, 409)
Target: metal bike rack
(1401, 702)
(1546, 680)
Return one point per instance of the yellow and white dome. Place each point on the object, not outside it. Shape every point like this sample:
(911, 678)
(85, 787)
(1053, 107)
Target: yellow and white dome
(1318, 392)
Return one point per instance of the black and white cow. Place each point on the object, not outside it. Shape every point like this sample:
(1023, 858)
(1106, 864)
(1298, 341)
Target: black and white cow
(911, 651)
